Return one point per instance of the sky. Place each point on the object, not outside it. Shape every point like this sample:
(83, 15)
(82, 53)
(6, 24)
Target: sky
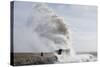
(82, 21)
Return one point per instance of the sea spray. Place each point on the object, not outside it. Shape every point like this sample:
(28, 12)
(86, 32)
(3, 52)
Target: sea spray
(54, 28)
(44, 32)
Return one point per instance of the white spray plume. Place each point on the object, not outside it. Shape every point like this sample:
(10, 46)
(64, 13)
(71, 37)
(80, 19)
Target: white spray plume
(46, 31)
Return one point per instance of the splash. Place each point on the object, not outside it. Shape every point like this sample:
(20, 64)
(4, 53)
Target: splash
(53, 28)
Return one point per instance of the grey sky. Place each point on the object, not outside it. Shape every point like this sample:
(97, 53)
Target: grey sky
(82, 20)
(83, 24)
